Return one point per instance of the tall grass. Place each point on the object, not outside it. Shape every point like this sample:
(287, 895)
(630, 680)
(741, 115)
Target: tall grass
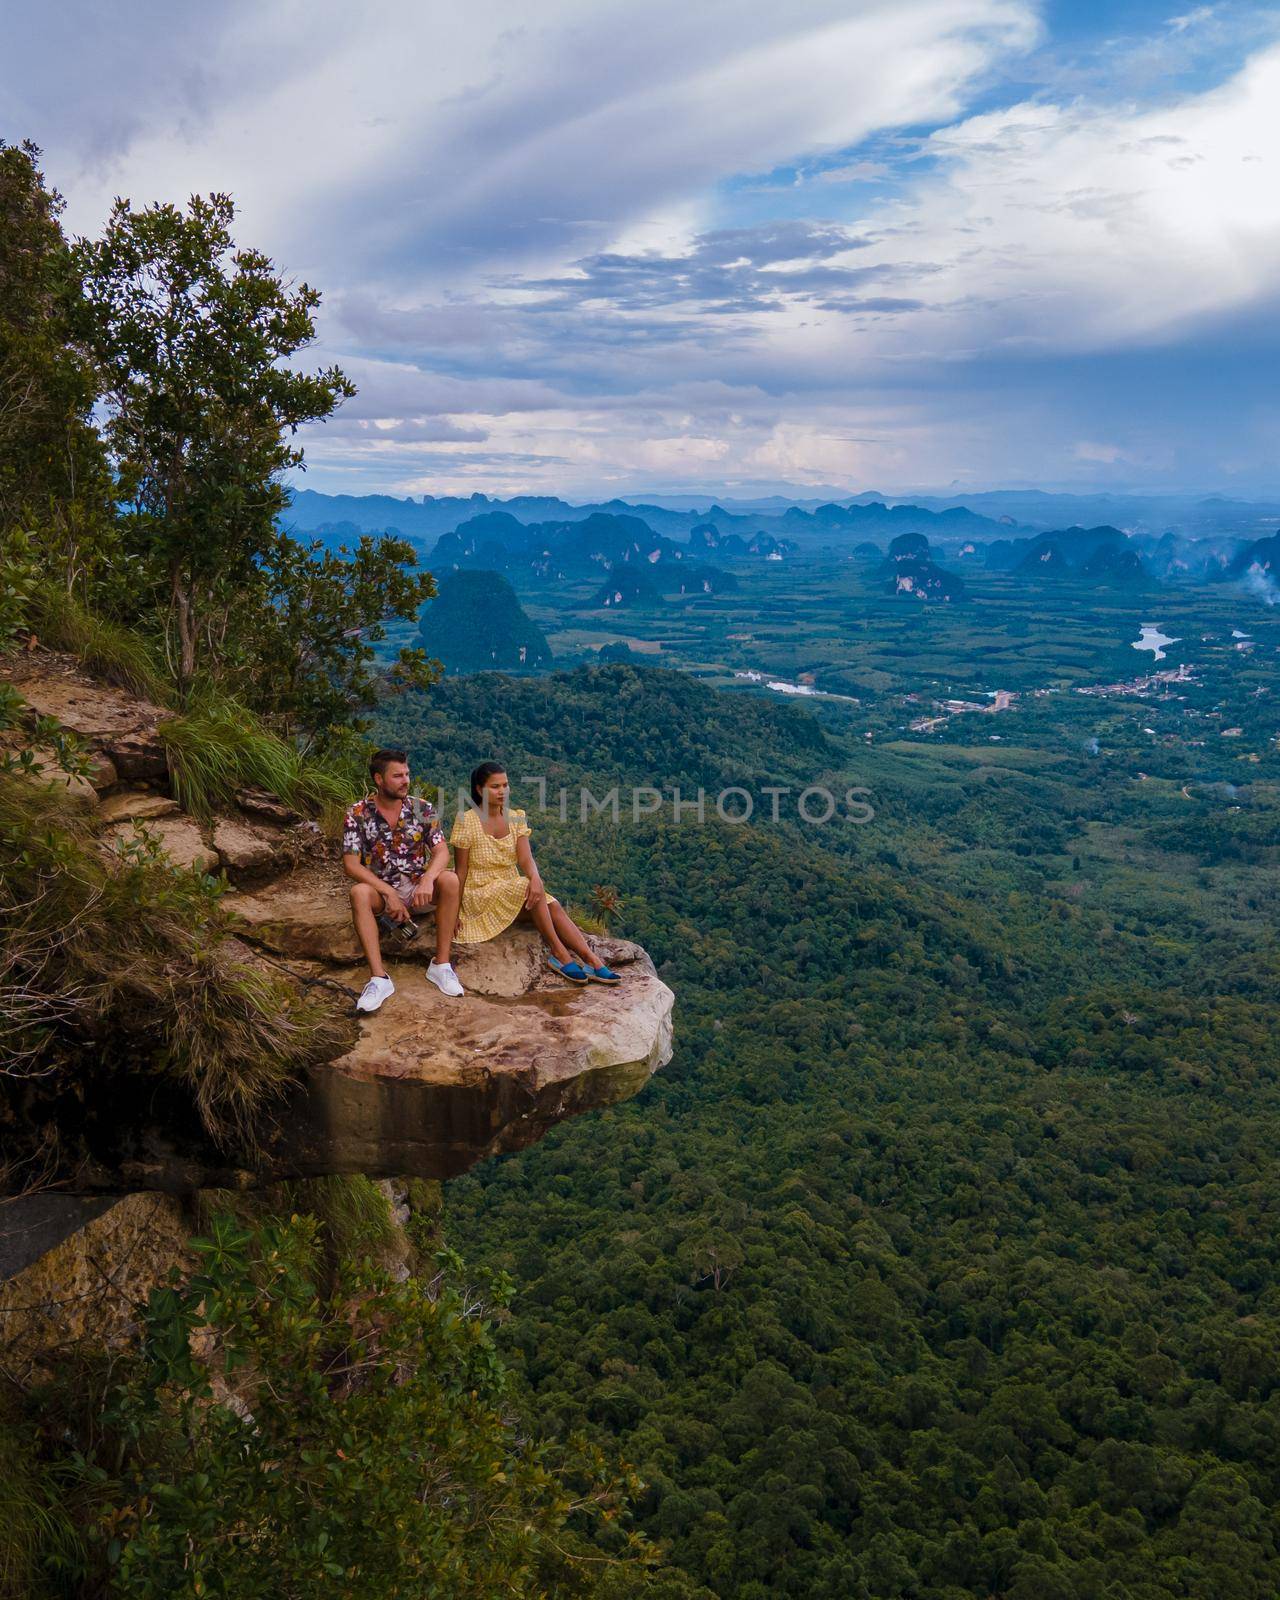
(115, 653)
(129, 949)
(219, 746)
(36, 1529)
(215, 745)
(355, 1212)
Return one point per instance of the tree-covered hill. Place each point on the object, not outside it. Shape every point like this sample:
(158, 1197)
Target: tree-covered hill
(476, 624)
(940, 1262)
(629, 724)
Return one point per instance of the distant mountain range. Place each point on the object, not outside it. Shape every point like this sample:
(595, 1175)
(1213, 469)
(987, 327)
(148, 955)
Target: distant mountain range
(1029, 510)
(334, 517)
(548, 539)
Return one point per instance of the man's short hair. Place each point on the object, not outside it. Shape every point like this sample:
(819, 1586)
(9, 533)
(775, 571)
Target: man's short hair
(380, 760)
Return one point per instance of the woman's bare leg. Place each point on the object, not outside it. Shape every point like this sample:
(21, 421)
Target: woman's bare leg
(545, 924)
(572, 935)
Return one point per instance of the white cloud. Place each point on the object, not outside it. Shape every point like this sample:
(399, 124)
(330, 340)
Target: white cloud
(1190, 19)
(423, 140)
(1074, 227)
(534, 270)
(1090, 450)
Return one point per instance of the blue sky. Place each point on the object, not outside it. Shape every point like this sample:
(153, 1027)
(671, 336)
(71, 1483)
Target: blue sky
(597, 247)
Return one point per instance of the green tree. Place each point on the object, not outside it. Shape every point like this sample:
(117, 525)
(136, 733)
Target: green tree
(276, 1438)
(53, 471)
(305, 654)
(193, 337)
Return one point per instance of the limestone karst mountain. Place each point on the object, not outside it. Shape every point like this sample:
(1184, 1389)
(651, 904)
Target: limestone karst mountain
(694, 578)
(909, 571)
(1044, 560)
(476, 624)
(627, 586)
(1103, 554)
(1110, 565)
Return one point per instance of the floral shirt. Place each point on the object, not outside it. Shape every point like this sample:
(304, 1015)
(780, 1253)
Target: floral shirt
(392, 853)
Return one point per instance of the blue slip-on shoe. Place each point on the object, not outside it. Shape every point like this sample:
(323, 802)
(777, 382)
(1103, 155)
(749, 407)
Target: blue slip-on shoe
(602, 975)
(568, 969)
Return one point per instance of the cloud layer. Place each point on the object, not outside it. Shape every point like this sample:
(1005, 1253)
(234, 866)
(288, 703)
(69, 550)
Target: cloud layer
(603, 247)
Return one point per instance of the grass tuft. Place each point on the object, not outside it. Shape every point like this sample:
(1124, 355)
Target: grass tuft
(219, 747)
(114, 653)
(36, 1530)
(354, 1211)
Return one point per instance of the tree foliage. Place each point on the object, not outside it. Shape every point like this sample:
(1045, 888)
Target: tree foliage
(168, 522)
(190, 335)
(349, 1438)
(52, 464)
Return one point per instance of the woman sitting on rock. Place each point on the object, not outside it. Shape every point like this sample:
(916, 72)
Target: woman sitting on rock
(500, 881)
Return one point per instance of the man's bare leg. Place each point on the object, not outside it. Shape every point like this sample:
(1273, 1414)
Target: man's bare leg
(366, 902)
(448, 903)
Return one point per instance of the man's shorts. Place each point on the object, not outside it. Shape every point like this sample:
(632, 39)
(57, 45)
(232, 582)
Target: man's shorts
(404, 887)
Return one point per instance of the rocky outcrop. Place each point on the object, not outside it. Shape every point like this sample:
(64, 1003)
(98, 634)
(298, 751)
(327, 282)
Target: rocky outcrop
(137, 805)
(178, 838)
(433, 1085)
(120, 730)
(429, 1085)
(88, 1283)
(426, 1087)
(88, 1286)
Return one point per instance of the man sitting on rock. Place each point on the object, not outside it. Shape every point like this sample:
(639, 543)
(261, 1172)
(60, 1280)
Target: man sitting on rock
(394, 849)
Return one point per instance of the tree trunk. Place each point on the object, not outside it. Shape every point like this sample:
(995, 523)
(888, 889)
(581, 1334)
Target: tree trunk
(185, 620)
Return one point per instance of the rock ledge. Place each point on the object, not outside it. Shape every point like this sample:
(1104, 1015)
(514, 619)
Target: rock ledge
(430, 1085)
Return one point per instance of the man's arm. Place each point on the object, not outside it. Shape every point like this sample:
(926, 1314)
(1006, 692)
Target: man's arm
(425, 888)
(356, 869)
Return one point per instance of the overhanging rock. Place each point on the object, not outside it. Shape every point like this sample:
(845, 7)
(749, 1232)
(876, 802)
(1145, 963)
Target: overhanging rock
(425, 1088)
(434, 1085)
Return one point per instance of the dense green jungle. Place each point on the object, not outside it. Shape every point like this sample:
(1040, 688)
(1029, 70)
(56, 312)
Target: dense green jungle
(942, 1259)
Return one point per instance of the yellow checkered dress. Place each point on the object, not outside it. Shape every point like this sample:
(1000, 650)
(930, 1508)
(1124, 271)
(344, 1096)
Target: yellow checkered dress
(493, 896)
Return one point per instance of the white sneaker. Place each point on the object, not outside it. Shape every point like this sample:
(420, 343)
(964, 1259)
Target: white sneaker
(445, 978)
(375, 992)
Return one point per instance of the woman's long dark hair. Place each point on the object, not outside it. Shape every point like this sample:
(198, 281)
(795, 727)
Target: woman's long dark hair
(481, 776)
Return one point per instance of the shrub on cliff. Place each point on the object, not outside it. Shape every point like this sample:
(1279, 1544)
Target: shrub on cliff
(368, 1449)
(103, 957)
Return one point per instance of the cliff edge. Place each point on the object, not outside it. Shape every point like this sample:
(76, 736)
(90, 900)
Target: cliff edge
(425, 1088)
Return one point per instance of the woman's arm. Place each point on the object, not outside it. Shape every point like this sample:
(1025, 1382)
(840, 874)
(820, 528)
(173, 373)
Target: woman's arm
(536, 894)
